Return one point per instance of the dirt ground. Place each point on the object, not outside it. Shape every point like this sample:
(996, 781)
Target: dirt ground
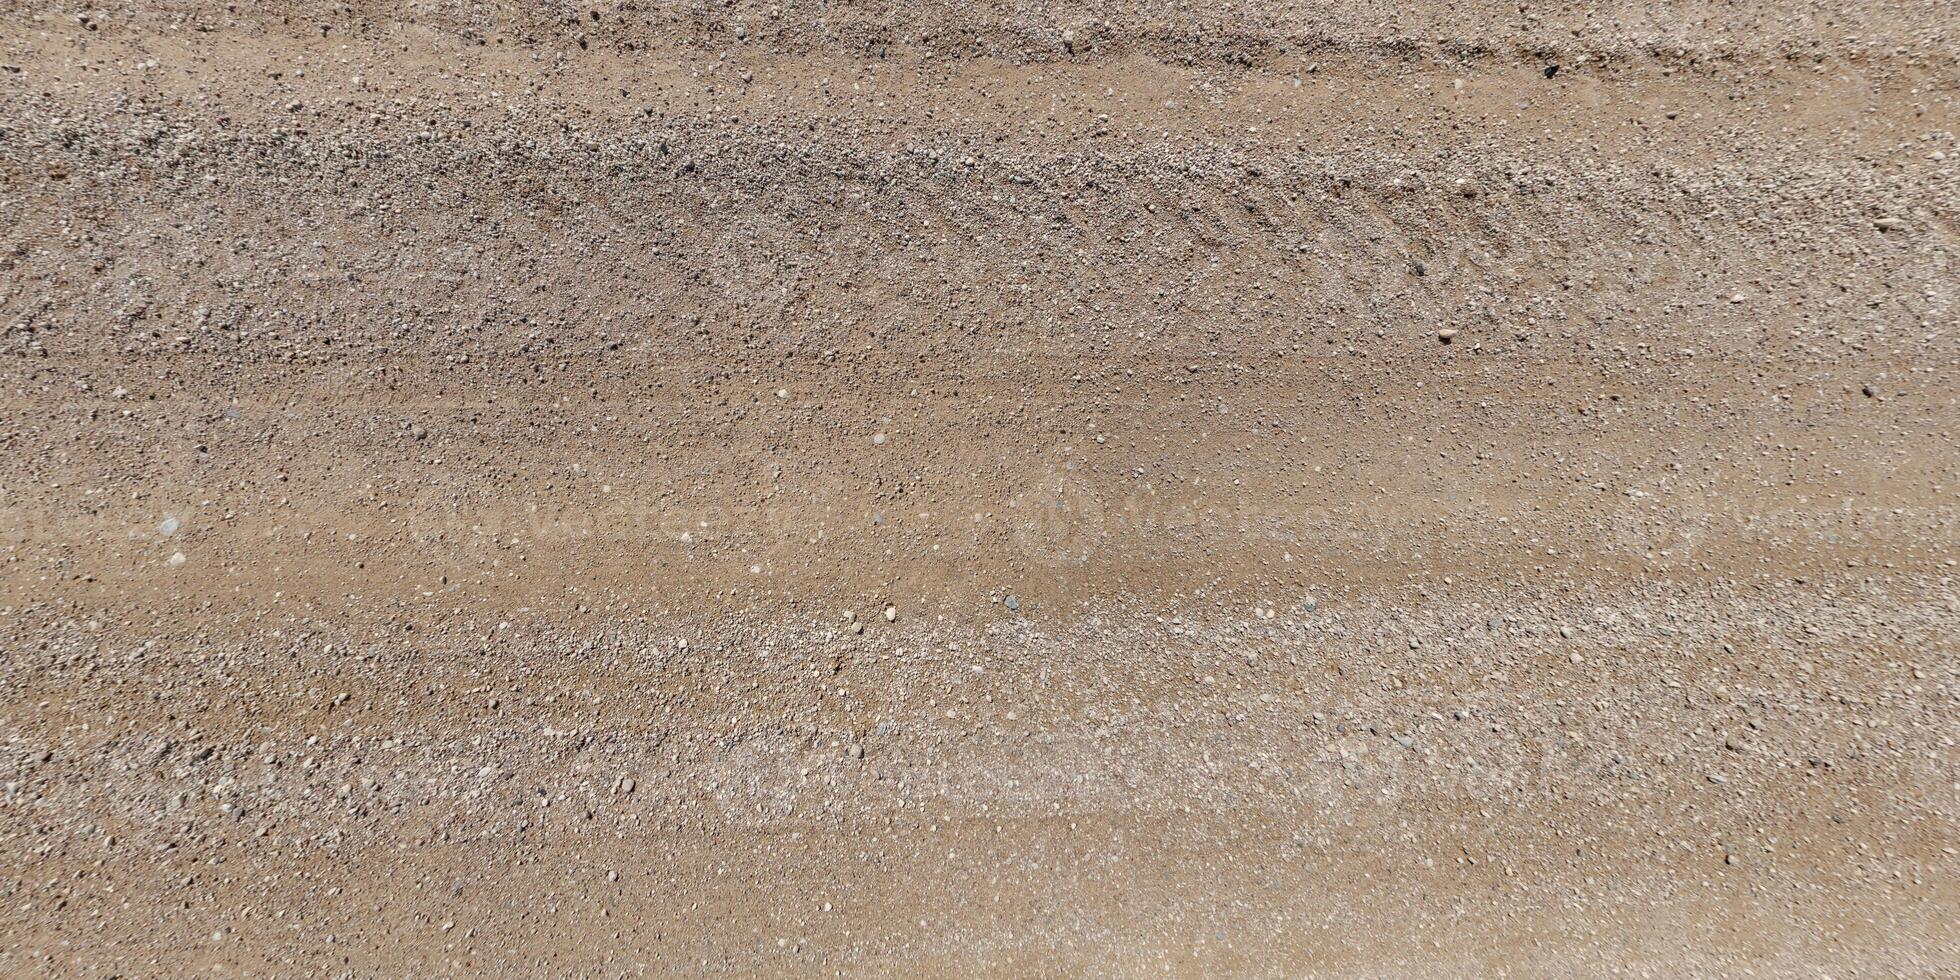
(1256, 489)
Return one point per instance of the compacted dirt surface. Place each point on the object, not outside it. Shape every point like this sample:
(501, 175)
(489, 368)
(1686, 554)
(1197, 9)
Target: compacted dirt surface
(979, 489)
